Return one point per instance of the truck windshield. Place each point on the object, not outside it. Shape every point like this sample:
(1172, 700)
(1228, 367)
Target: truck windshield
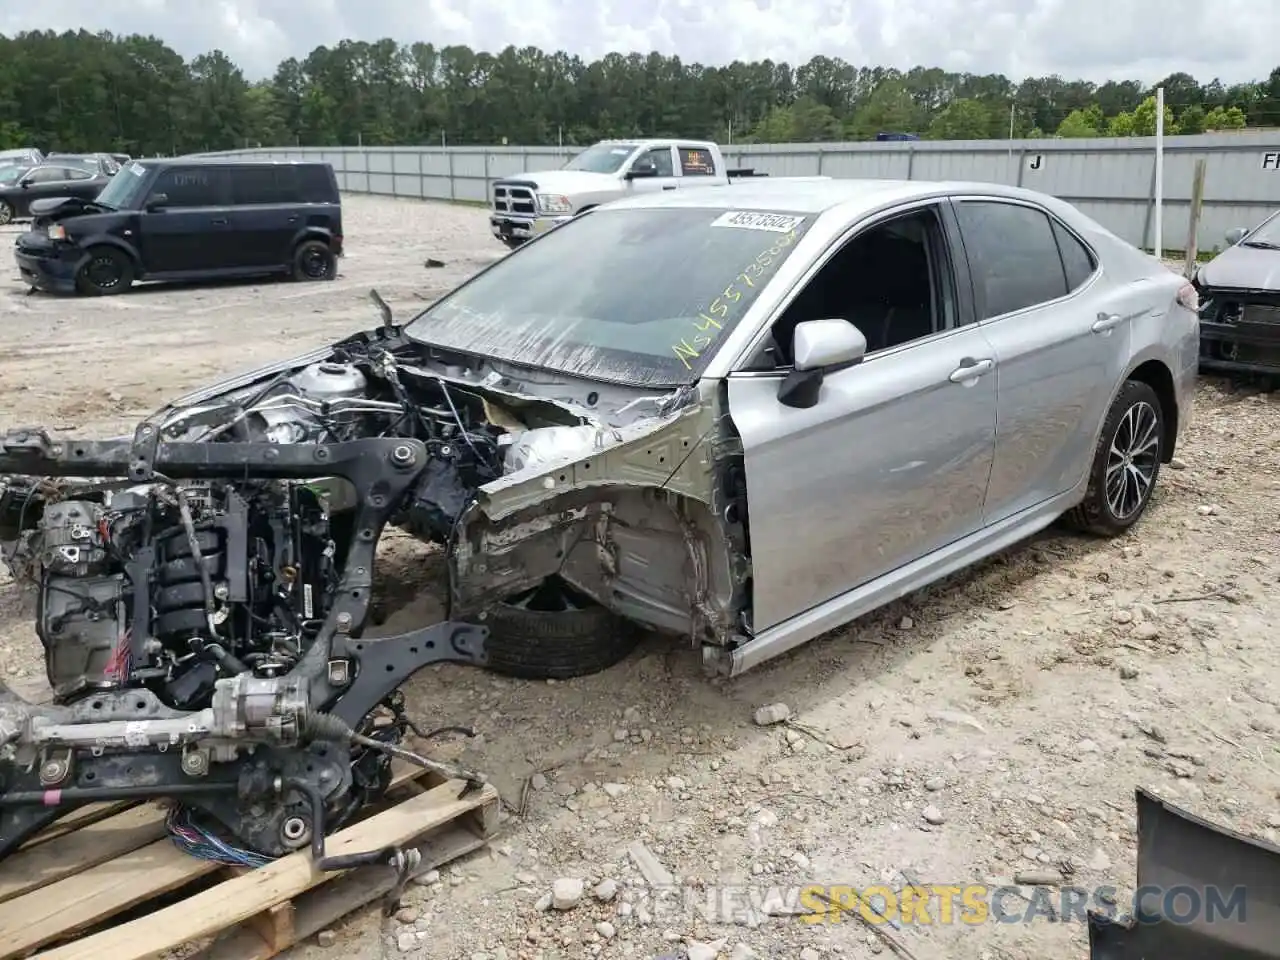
(125, 190)
(641, 296)
(602, 158)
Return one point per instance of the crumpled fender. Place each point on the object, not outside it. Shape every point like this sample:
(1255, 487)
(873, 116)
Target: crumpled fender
(1203, 893)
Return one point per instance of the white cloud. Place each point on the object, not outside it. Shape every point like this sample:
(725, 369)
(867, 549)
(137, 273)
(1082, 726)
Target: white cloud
(1093, 39)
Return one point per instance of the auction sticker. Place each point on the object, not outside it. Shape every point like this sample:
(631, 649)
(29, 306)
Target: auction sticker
(750, 220)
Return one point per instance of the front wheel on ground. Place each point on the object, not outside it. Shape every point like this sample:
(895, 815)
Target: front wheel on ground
(105, 272)
(1126, 463)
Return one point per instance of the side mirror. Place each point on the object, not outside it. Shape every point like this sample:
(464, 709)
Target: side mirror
(157, 201)
(819, 347)
(1236, 235)
(25, 182)
(641, 171)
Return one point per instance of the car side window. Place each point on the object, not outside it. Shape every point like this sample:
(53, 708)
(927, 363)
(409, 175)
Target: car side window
(75, 173)
(189, 186)
(1077, 259)
(48, 175)
(259, 185)
(893, 281)
(1013, 255)
(660, 157)
(697, 162)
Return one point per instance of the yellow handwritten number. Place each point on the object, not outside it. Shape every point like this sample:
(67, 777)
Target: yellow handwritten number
(690, 348)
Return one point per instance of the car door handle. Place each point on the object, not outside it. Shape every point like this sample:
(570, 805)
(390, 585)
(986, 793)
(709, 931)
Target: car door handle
(220, 222)
(971, 370)
(669, 186)
(293, 219)
(1106, 322)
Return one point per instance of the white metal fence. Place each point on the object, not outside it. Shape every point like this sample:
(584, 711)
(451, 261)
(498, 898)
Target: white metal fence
(1113, 180)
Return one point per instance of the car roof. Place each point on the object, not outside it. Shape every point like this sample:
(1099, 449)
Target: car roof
(813, 195)
(238, 161)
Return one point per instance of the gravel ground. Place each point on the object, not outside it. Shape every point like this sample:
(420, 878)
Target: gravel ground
(990, 726)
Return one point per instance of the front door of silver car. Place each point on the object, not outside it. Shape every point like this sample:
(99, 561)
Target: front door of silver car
(1061, 332)
(890, 461)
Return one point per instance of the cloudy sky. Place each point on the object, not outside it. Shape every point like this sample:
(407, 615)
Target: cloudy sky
(1095, 39)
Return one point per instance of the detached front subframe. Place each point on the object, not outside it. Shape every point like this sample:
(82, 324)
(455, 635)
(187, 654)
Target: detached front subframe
(202, 613)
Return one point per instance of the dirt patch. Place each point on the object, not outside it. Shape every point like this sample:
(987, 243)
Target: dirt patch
(990, 725)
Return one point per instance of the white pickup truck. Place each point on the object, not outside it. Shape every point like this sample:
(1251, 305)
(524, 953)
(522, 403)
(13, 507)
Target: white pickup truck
(529, 204)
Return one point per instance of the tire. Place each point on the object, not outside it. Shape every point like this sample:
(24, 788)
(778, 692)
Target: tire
(314, 261)
(554, 633)
(106, 272)
(1134, 429)
(6, 213)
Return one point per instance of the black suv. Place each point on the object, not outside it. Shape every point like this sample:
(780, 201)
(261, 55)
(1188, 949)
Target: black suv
(187, 219)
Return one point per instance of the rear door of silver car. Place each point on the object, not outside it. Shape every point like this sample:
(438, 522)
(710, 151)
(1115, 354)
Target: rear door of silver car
(1062, 341)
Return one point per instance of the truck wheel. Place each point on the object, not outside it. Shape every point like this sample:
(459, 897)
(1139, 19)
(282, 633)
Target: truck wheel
(1126, 464)
(313, 261)
(553, 632)
(106, 272)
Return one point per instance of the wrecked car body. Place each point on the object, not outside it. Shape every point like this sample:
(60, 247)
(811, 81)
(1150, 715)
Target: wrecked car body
(741, 426)
(1240, 302)
(1201, 891)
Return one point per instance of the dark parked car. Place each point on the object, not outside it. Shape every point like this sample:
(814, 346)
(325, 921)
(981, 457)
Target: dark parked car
(188, 219)
(1240, 302)
(49, 179)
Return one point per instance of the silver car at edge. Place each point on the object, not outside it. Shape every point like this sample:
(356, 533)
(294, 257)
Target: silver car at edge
(932, 372)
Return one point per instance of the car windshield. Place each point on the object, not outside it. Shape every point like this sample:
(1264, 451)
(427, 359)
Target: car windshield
(1267, 235)
(639, 296)
(124, 191)
(602, 158)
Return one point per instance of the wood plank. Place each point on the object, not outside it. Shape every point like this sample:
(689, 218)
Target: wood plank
(325, 905)
(79, 850)
(83, 899)
(211, 911)
(77, 818)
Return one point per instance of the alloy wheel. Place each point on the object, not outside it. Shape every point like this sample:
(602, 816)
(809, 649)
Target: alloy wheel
(1132, 460)
(6, 213)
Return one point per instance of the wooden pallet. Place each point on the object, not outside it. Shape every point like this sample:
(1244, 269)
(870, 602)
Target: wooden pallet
(106, 882)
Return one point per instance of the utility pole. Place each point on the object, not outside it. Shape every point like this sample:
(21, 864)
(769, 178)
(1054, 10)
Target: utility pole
(1159, 198)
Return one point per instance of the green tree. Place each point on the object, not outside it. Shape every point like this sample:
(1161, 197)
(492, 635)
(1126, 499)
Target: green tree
(1088, 122)
(889, 108)
(1144, 119)
(1192, 119)
(963, 119)
(1121, 125)
(79, 90)
(1224, 118)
